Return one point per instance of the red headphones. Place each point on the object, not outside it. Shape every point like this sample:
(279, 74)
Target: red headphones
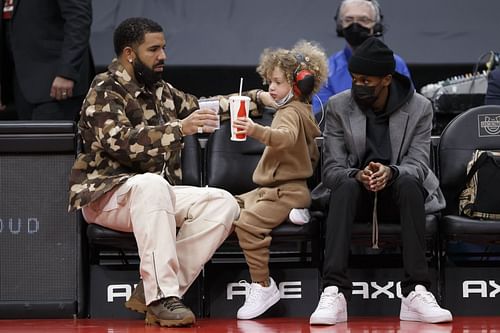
(303, 79)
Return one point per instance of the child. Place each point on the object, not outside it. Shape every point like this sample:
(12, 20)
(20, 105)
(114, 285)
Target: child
(289, 159)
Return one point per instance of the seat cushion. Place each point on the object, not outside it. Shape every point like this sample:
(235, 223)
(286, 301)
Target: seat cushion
(99, 237)
(453, 225)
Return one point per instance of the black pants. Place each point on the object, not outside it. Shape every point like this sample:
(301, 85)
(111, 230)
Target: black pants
(402, 201)
(68, 109)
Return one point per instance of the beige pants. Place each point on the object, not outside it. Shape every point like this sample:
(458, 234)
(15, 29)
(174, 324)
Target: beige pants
(264, 209)
(152, 209)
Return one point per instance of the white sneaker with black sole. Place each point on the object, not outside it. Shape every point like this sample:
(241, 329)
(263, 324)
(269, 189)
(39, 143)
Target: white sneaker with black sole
(259, 299)
(420, 305)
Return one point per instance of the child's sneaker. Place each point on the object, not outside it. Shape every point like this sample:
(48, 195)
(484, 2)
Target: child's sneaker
(299, 216)
(331, 309)
(258, 300)
(420, 305)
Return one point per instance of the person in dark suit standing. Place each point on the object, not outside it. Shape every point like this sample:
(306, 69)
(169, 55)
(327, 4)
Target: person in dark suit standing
(493, 91)
(45, 57)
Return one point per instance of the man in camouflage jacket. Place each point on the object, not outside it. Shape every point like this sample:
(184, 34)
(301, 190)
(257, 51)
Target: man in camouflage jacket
(132, 124)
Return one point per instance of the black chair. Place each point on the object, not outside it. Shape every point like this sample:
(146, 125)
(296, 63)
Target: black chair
(105, 243)
(230, 165)
(461, 137)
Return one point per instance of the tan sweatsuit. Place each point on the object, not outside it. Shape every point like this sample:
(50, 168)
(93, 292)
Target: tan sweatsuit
(289, 159)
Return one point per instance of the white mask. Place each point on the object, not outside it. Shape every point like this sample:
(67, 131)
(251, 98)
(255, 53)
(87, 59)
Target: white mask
(285, 99)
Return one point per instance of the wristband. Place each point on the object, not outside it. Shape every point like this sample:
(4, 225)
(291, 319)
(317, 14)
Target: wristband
(257, 95)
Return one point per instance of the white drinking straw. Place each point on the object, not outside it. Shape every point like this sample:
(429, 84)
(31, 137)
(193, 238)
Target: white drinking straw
(241, 84)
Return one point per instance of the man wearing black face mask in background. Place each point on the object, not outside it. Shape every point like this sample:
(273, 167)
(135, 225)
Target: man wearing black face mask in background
(376, 154)
(356, 21)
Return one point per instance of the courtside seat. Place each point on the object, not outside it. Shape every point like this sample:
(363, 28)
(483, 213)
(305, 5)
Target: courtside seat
(101, 239)
(477, 128)
(230, 165)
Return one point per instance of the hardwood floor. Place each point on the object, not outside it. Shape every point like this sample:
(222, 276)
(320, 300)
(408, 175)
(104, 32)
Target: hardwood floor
(271, 325)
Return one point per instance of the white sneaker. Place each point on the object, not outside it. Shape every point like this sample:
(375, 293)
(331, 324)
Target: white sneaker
(258, 300)
(332, 308)
(420, 305)
(299, 216)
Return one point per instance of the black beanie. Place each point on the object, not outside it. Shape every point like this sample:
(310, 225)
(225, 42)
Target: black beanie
(372, 58)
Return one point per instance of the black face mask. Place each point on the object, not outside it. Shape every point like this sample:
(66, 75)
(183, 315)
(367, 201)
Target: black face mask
(144, 74)
(364, 96)
(355, 34)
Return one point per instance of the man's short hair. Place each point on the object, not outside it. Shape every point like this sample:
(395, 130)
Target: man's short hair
(373, 3)
(131, 32)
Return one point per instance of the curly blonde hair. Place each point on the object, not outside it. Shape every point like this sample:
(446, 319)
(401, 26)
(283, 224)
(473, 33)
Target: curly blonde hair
(304, 55)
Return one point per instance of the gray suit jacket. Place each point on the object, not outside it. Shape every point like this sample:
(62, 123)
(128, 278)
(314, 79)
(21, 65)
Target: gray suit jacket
(410, 132)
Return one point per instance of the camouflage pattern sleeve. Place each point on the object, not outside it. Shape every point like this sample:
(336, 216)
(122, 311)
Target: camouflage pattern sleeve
(111, 124)
(184, 103)
(127, 130)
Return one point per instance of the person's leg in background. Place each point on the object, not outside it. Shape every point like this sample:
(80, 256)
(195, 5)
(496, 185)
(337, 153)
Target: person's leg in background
(67, 109)
(24, 109)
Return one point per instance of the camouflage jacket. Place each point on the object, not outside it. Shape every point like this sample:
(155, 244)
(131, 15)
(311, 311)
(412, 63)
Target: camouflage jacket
(127, 130)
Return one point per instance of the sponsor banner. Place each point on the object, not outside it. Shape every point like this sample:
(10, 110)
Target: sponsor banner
(472, 291)
(377, 292)
(111, 286)
(224, 287)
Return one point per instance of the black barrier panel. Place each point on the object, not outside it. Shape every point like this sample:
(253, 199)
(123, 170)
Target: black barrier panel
(377, 291)
(37, 137)
(472, 291)
(111, 286)
(299, 290)
(40, 266)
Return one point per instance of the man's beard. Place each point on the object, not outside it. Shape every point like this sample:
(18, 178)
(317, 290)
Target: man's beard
(144, 74)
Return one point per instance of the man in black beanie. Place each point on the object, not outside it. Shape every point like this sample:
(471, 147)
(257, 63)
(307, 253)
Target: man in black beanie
(376, 155)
